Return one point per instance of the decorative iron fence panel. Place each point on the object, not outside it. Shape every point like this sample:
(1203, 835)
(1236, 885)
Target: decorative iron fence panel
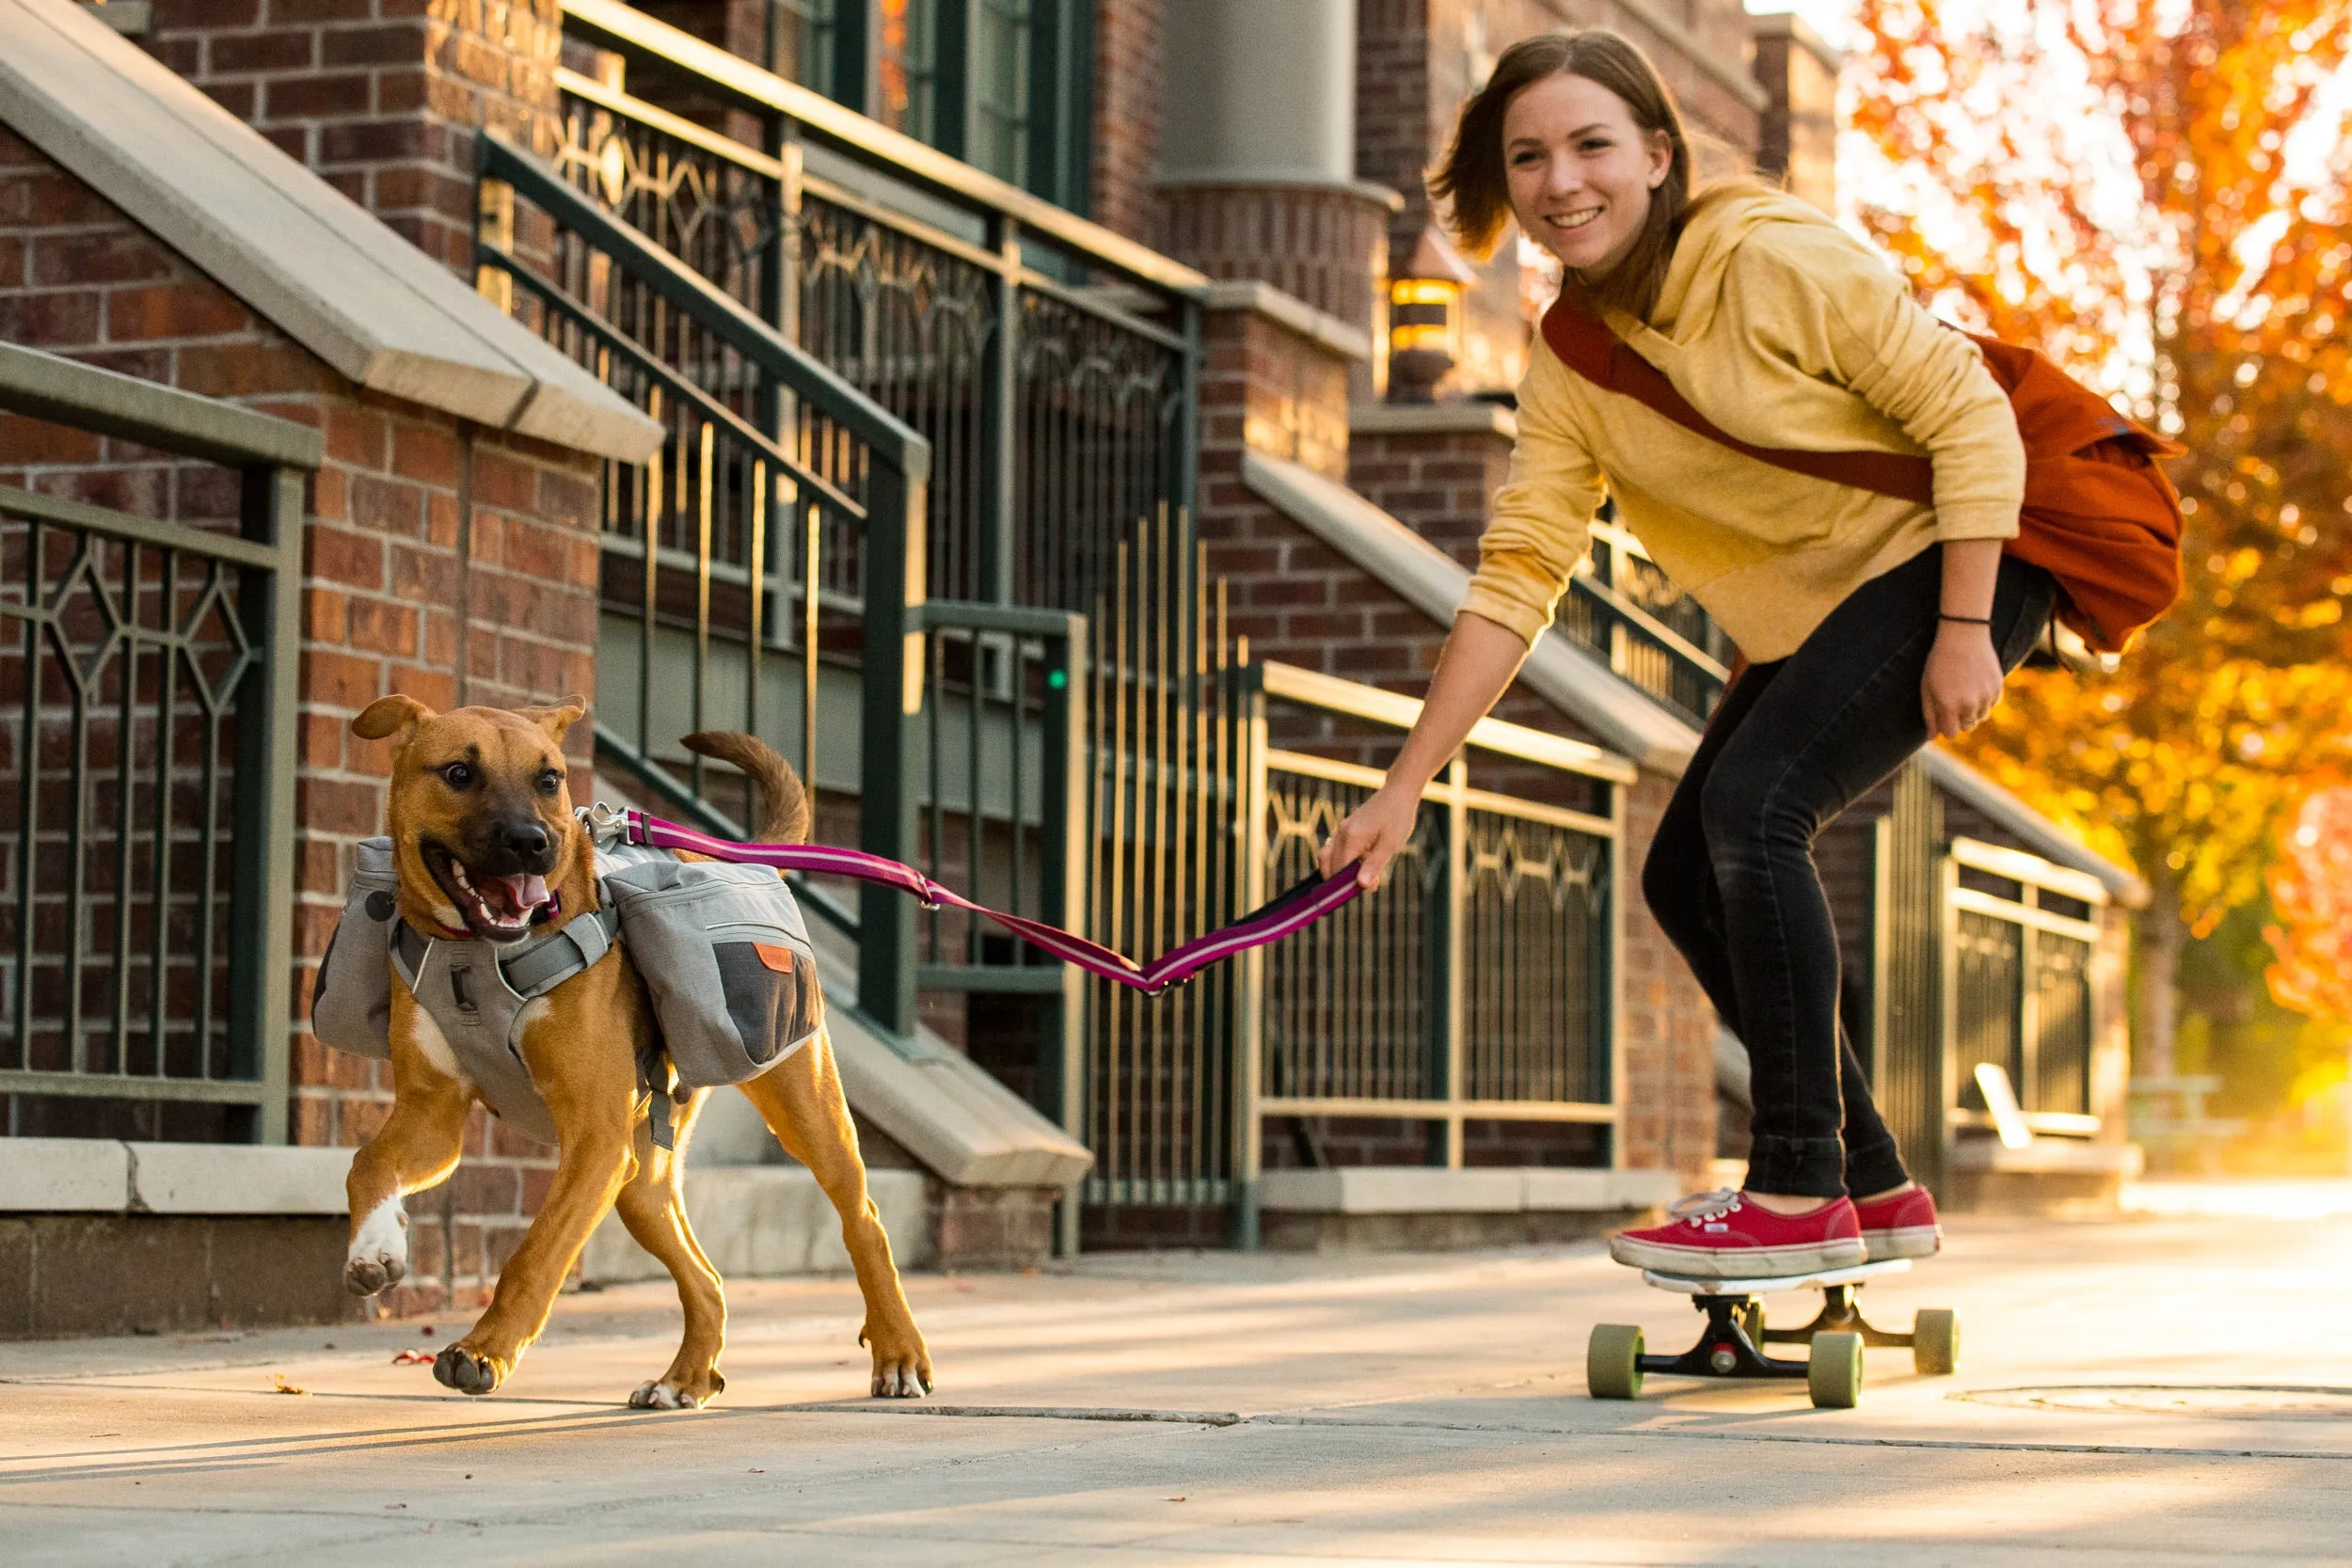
(147, 768)
(2022, 932)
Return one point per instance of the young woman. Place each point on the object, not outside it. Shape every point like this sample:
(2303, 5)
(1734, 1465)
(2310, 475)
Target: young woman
(1873, 624)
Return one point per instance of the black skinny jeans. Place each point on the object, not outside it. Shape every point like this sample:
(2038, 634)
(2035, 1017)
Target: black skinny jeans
(1731, 879)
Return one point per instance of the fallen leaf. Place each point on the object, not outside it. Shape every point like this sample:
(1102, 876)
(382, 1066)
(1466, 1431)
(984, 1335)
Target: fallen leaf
(754, 1470)
(1180, 1499)
(285, 1388)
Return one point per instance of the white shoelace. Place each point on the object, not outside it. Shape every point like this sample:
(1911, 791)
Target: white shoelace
(1701, 1206)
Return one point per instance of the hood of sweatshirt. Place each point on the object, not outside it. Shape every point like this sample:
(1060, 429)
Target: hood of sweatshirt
(1712, 231)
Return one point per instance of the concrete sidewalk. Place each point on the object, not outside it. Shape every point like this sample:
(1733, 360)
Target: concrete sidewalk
(2149, 1391)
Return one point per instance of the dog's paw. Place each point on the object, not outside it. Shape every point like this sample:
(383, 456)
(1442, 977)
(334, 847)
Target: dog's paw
(468, 1372)
(661, 1394)
(903, 1377)
(379, 1253)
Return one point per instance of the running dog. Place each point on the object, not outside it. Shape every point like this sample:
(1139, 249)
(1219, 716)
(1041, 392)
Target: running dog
(485, 843)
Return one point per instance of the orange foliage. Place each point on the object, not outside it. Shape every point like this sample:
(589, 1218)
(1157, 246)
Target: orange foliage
(2111, 180)
(2311, 887)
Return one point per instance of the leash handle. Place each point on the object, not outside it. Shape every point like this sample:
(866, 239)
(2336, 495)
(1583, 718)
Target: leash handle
(1290, 911)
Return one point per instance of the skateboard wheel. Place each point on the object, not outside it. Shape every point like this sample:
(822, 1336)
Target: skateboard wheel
(1833, 1375)
(1612, 1362)
(1935, 1342)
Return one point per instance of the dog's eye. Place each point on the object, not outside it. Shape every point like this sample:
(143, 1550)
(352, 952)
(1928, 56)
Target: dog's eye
(549, 781)
(459, 775)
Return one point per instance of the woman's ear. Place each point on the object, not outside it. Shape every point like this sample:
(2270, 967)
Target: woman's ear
(1662, 158)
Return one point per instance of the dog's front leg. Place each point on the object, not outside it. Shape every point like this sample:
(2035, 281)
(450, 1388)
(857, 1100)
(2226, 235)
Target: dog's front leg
(581, 1052)
(416, 1147)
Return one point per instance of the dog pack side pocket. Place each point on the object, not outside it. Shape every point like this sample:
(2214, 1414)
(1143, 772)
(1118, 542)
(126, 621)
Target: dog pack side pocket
(351, 1005)
(726, 958)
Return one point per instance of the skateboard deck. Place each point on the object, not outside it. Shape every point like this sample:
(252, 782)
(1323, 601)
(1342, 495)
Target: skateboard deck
(1854, 1273)
(1731, 1345)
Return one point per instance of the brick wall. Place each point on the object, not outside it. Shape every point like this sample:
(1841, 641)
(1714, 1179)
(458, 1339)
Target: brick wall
(380, 97)
(1128, 66)
(1326, 246)
(405, 587)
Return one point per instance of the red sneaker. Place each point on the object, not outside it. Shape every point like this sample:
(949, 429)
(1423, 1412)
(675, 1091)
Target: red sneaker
(1723, 1235)
(1903, 1225)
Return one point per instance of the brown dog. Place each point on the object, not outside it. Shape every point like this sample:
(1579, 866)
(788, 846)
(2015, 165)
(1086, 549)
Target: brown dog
(485, 842)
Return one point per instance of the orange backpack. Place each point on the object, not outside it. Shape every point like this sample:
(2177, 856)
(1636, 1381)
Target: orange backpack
(2099, 515)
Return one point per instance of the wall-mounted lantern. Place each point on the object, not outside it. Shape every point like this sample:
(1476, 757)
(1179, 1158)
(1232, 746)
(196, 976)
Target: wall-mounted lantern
(1425, 318)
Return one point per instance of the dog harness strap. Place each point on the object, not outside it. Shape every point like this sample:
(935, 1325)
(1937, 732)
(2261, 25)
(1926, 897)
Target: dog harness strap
(1293, 910)
(580, 943)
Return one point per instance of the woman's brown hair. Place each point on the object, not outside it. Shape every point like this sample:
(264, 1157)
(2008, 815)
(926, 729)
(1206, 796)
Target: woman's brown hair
(1473, 178)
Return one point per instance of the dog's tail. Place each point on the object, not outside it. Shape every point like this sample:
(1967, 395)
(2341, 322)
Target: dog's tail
(786, 814)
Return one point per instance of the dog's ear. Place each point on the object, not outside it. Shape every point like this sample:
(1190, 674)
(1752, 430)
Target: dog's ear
(557, 720)
(389, 715)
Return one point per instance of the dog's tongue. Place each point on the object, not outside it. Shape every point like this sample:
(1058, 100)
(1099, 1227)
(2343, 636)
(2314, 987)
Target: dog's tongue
(521, 893)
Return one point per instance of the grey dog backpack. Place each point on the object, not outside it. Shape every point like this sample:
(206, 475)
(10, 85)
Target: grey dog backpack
(723, 951)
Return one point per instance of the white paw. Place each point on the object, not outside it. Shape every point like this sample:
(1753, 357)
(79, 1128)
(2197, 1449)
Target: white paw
(379, 1254)
(655, 1395)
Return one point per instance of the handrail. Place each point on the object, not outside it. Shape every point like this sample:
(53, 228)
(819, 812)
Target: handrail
(1650, 626)
(871, 140)
(1395, 708)
(62, 392)
(671, 381)
(811, 378)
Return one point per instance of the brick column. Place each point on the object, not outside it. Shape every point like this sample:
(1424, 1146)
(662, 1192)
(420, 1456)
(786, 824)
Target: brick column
(1128, 66)
(438, 560)
(381, 97)
(1326, 245)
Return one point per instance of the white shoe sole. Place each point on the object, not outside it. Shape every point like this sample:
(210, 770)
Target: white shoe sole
(1917, 1241)
(1758, 1262)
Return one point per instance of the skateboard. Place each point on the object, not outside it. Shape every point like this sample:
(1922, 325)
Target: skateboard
(1732, 1344)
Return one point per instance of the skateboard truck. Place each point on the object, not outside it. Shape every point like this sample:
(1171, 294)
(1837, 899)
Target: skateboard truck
(1731, 1345)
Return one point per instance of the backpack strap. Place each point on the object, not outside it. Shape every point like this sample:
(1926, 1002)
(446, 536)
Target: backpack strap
(1588, 346)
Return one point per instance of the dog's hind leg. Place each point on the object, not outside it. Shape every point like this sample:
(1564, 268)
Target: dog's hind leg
(416, 1147)
(801, 1101)
(653, 1209)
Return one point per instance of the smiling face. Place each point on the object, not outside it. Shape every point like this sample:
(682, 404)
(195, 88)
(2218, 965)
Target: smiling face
(480, 815)
(1580, 171)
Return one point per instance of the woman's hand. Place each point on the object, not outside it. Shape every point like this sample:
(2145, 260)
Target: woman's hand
(1374, 833)
(1963, 679)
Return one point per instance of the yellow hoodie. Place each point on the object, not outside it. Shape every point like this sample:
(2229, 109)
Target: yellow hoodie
(1785, 331)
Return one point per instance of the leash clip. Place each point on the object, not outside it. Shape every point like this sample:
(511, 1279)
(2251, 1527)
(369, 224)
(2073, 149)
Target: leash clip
(608, 825)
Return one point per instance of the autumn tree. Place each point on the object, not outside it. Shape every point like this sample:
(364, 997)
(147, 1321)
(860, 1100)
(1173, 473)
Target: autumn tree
(2154, 193)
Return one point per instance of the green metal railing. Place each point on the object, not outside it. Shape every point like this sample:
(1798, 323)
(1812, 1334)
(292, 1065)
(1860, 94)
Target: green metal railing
(1621, 604)
(2019, 939)
(776, 534)
(147, 759)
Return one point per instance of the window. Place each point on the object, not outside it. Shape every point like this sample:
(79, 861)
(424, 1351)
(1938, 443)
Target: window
(907, 74)
(1000, 88)
(803, 43)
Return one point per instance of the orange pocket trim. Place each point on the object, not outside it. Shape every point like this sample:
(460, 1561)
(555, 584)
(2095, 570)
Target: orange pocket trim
(775, 957)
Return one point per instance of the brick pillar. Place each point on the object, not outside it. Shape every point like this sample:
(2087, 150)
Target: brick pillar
(1127, 71)
(1326, 244)
(1799, 135)
(381, 97)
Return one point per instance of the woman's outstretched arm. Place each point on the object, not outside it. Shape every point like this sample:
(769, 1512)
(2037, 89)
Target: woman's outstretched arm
(1473, 669)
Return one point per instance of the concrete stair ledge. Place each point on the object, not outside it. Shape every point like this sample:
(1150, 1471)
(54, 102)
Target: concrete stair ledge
(1502, 1190)
(106, 1176)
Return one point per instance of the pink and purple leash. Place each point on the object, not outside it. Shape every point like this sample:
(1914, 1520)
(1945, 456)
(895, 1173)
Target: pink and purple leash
(1290, 913)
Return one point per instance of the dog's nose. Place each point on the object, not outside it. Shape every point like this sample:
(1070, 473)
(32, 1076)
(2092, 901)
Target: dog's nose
(524, 840)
